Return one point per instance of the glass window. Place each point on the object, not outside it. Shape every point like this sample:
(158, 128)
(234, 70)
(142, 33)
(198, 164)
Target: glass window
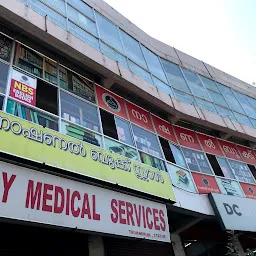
(3, 76)
(1, 102)
(82, 20)
(209, 84)
(175, 76)
(196, 161)
(203, 104)
(241, 171)
(154, 64)
(112, 54)
(226, 170)
(146, 141)
(109, 32)
(224, 112)
(81, 134)
(252, 101)
(253, 122)
(121, 149)
(184, 97)
(84, 36)
(77, 84)
(44, 10)
(123, 131)
(195, 84)
(24, 112)
(230, 98)
(152, 161)
(177, 154)
(5, 48)
(243, 119)
(79, 112)
(162, 86)
(217, 98)
(58, 5)
(133, 50)
(82, 7)
(140, 72)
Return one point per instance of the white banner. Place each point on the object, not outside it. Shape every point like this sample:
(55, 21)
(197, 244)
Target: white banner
(38, 197)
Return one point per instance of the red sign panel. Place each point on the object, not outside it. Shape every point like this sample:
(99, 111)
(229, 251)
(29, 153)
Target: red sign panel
(230, 150)
(209, 144)
(249, 190)
(247, 154)
(205, 184)
(164, 129)
(187, 138)
(139, 116)
(111, 102)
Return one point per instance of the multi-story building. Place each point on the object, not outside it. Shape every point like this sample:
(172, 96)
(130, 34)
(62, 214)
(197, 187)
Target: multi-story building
(113, 143)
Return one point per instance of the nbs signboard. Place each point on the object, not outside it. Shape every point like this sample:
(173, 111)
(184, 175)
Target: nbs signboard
(235, 213)
(30, 141)
(42, 198)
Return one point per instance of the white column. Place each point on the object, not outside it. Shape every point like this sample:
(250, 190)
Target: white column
(96, 246)
(177, 245)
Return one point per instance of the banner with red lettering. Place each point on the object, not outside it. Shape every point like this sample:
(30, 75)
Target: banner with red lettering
(23, 87)
(247, 154)
(187, 138)
(164, 129)
(111, 102)
(249, 190)
(230, 150)
(43, 198)
(209, 144)
(139, 116)
(205, 184)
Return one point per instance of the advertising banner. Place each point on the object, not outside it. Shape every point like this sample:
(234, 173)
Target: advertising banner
(163, 128)
(23, 87)
(230, 150)
(187, 138)
(247, 154)
(209, 144)
(111, 102)
(234, 213)
(139, 116)
(249, 190)
(229, 187)
(205, 184)
(22, 138)
(181, 178)
(42, 198)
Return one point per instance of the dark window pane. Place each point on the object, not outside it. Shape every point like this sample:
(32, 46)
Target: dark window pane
(167, 150)
(1, 102)
(152, 161)
(5, 47)
(215, 165)
(108, 124)
(3, 76)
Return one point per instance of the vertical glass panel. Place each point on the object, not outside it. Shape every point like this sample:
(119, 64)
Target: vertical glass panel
(5, 48)
(79, 112)
(50, 71)
(140, 72)
(121, 149)
(217, 98)
(24, 112)
(184, 97)
(84, 36)
(1, 102)
(112, 54)
(123, 131)
(224, 112)
(133, 50)
(58, 5)
(146, 141)
(82, 7)
(152, 161)
(81, 20)
(77, 84)
(252, 102)
(154, 64)
(241, 171)
(243, 119)
(177, 154)
(253, 122)
(195, 84)
(109, 32)
(81, 134)
(175, 76)
(209, 84)
(230, 98)
(225, 167)
(3, 76)
(162, 86)
(203, 104)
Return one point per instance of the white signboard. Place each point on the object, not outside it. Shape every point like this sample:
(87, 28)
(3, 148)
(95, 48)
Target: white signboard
(235, 213)
(38, 197)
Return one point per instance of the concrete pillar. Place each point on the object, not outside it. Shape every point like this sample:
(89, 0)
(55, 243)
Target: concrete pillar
(96, 246)
(177, 245)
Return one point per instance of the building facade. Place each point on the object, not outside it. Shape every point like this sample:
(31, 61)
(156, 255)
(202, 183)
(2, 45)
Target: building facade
(113, 143)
